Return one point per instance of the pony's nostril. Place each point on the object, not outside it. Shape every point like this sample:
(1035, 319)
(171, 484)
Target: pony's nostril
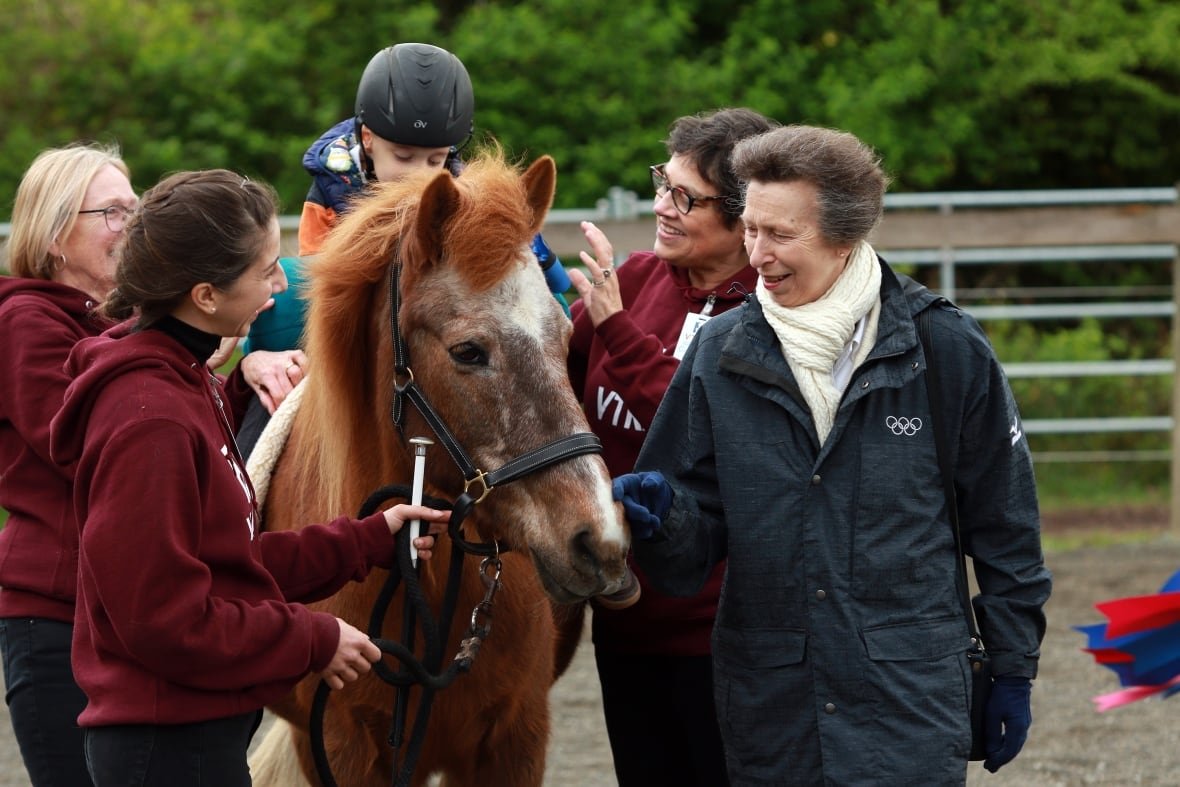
(583, 551)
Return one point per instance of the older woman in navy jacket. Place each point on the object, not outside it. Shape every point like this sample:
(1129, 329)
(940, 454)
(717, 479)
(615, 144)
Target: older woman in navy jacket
(840, 643)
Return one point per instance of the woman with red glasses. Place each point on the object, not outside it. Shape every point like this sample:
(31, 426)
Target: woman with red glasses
(631, 328)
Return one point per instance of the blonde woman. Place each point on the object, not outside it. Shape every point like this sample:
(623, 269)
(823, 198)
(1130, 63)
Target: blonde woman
(68, 221)
(67, 227)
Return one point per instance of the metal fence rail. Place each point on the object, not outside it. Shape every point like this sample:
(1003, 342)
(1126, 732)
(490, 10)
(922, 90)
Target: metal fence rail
(948, 259)
(953, 229)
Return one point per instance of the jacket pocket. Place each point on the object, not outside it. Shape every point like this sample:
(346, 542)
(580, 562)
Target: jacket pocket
(917, 677)
(763, 690)
(916, 641)
(758, 648)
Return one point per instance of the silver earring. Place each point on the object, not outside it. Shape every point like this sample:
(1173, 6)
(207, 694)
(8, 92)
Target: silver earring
(62, 266)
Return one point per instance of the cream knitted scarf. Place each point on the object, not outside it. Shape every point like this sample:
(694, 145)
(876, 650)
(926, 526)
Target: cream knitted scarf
(815, 334)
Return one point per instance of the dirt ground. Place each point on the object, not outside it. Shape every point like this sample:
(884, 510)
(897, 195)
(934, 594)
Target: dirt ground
(1070, 743)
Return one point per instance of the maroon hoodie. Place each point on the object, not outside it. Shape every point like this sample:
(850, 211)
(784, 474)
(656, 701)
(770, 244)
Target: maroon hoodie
(185, 611)
(40, 321)
(620, 371)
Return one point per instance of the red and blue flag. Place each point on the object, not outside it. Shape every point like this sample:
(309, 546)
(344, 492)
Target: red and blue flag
(1140, 643)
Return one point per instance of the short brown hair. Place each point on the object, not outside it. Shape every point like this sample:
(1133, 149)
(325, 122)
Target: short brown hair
(191, 227)
(846, 172)
(707, 139)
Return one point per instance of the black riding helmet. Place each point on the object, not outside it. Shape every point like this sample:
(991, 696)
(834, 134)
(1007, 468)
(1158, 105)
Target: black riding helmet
(416, 94)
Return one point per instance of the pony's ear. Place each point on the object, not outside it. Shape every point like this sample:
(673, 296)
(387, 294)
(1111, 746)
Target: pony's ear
(439, 202)
(540, 183)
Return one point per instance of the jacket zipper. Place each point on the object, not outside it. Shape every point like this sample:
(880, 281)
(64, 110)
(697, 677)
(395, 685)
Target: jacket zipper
(214, 383)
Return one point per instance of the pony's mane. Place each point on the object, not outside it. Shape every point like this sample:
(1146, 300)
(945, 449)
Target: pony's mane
(347, 322)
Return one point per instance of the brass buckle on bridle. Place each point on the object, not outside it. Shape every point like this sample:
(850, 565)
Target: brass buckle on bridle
(481, 479)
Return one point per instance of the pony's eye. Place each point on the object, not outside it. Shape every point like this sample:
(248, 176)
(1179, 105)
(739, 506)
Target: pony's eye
(470, 354)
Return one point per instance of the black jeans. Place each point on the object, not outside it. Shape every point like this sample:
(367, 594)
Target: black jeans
(661, 720)
(201, 754)
(44, 700)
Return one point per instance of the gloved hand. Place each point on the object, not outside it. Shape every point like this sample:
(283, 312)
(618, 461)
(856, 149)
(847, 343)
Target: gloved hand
(1006, 720)
(646, 498)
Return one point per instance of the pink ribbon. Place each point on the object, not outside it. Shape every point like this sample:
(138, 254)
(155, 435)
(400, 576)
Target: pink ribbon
(1116, 699)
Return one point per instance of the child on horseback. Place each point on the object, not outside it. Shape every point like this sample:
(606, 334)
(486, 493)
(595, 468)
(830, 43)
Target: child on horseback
(415, 109)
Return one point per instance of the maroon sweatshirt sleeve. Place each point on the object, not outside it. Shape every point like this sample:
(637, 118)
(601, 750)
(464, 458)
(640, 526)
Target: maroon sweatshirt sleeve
(314, 562)
(579, 350)
(146, 559)
(37, 341)
(39, 544)
(238, 393)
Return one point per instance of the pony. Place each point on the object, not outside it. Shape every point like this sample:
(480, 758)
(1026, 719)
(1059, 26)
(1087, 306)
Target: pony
(487, 347)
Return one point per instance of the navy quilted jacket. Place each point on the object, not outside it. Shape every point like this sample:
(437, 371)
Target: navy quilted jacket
(840, 641)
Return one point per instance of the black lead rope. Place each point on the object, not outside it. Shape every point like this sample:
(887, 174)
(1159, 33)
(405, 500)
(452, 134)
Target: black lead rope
(424, 672)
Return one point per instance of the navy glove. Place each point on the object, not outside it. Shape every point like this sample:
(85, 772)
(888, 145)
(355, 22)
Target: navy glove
(1006, 720)
(646, 498)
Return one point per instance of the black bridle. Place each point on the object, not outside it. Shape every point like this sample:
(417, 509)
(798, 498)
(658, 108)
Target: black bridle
(477, 484)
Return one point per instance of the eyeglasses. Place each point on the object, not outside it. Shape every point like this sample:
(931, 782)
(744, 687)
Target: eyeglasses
(681, 199)
(115, 216)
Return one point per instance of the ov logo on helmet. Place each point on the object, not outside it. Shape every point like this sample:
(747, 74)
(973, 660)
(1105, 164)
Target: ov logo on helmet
(419, 124)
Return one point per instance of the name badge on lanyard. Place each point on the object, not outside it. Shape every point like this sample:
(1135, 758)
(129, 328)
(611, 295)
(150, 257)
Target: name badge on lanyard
(692, 324)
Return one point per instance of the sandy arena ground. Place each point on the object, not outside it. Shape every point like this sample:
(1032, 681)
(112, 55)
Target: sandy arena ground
(1070, 743)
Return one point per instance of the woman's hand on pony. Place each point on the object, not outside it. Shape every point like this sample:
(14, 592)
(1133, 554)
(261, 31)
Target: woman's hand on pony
(398, 515)
(355, 652)
(646, 498)
(273, 375)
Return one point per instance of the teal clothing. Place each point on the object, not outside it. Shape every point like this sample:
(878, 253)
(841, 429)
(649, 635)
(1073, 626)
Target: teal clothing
(281, 326)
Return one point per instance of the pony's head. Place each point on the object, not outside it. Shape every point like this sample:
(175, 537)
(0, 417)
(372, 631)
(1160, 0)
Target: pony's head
(487, 346)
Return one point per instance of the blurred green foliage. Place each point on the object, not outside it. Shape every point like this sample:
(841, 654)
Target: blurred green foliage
(1096, 483)
(955, 95)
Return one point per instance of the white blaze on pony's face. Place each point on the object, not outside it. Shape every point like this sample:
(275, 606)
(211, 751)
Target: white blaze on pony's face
(495, 342)
(538, 320)
(507, 349)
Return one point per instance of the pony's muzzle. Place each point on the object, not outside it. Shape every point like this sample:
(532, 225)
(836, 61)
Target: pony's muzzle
(591, 568)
